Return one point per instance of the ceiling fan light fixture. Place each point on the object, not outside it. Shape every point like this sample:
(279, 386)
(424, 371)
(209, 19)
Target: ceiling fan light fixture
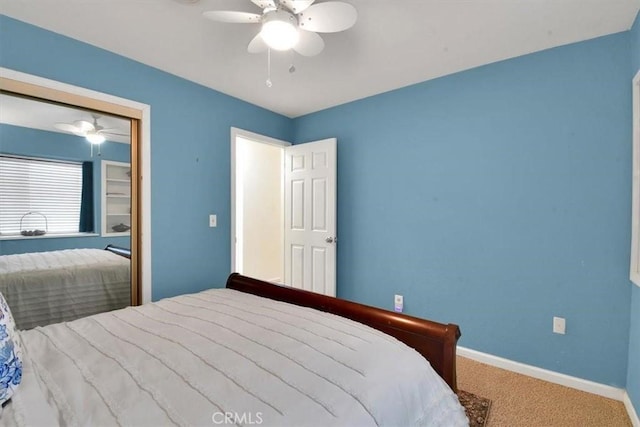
(279, 30)
(95, 138)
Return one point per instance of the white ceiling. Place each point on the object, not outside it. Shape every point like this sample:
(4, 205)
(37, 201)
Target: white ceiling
(394, 43)
(33, 114)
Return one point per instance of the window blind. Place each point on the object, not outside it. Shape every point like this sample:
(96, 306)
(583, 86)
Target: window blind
(50, 188)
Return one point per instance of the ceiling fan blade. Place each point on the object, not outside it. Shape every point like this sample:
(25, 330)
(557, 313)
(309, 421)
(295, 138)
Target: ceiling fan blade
(257, 45)
(110, 132)
(232, 16)
(309, 44)
(68, 127)
(296, 6)
(83, 126)
(329, 17)
(263, 4)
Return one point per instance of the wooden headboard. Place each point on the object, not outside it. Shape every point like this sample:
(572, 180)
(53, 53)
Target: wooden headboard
(119, 251)
(436, 342)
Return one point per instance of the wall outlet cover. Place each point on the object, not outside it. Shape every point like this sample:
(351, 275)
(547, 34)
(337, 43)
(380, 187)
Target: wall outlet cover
(559, 325)
(398, 303)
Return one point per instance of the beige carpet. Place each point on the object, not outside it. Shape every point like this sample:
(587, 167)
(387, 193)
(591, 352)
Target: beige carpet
(521, 401)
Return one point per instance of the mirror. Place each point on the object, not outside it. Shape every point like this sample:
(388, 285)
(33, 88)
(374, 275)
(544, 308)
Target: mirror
(65, 211)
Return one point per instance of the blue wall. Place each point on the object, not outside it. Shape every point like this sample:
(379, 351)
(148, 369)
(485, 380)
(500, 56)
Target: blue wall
(633, 374)
(190, 147)
(38, 143)
(496, 198)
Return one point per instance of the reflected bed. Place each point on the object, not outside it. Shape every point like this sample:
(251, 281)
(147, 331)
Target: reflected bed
(56, 286)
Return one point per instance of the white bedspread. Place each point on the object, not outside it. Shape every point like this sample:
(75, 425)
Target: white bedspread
(191, 359)
(49, 287)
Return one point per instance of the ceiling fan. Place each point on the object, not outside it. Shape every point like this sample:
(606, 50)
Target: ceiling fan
(93, 132)
(291, 24)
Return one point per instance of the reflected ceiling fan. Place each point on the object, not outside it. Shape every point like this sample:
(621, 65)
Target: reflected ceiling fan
(291, 24)
(93, 132)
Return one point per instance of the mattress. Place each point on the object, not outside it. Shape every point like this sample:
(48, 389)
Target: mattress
(225, 357)
(56, 286)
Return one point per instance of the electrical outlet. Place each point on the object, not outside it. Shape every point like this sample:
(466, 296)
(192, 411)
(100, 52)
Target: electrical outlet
(213, 220)
(398, 303)
(559, 325)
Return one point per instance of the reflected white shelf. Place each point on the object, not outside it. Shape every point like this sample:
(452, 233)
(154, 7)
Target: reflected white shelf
(116, 197)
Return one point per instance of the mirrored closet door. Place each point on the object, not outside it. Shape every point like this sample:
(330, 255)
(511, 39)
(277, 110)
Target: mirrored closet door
(68, 210)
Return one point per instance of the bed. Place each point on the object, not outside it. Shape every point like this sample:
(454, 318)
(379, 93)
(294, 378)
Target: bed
(252, 353)
(56, 286)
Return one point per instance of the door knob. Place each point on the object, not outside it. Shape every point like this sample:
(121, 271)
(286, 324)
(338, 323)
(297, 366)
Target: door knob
(329, 240)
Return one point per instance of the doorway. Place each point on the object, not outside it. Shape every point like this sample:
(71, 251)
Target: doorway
(283, 211)
(257, 205)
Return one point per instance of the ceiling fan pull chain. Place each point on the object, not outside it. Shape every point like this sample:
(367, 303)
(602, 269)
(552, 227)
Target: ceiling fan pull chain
(268, 82)
(292, 68)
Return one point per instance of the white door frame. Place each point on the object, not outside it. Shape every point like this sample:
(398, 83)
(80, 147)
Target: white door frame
(255, 137)
(145, 155)
(634, 274)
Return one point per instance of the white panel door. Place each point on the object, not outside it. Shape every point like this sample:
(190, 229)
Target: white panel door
(310, 216)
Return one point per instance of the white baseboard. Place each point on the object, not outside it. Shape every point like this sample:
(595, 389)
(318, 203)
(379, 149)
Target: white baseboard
(547, 375)
(633, 415)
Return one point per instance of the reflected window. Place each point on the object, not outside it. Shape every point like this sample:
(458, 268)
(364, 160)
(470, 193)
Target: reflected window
(39, 197)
